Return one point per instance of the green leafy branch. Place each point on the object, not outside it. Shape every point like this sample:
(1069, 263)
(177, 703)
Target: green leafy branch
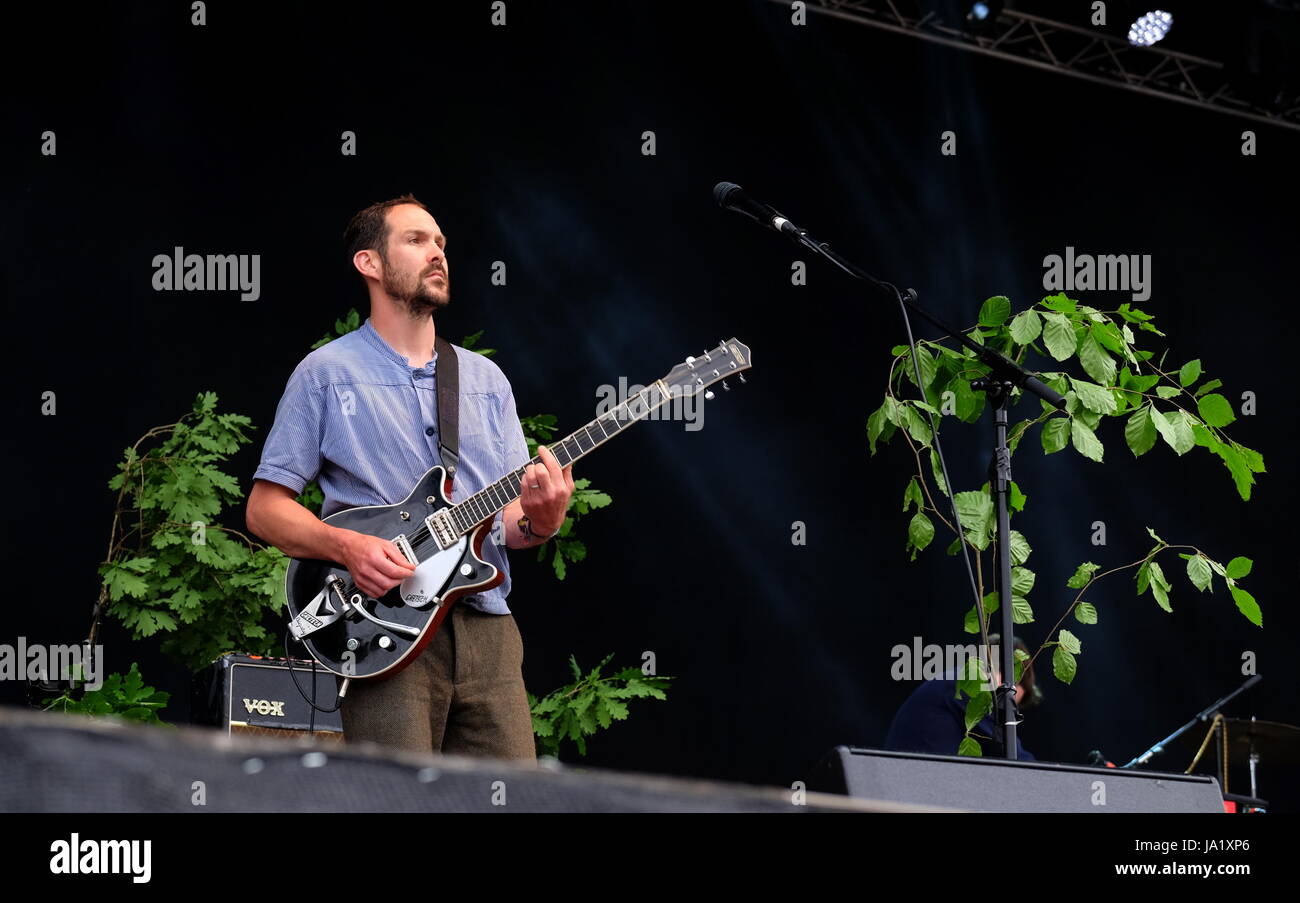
(126, 696)
(470, 341)
(1066, 329)
(1178, 406)
(171, 568)
(1200, 569)
(576, 711)
(350, 322)
(538, 430)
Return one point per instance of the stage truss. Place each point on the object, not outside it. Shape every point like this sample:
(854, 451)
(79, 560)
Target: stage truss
(1032, 40)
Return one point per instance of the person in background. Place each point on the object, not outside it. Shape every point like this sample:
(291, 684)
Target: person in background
(933, 720)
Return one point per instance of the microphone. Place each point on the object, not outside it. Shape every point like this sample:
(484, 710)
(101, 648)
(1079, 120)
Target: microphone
(731, 196)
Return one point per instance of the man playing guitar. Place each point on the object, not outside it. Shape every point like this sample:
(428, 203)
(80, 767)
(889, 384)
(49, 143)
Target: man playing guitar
(360, 414)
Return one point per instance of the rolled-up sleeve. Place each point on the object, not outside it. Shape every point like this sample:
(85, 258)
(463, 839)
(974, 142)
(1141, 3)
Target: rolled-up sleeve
(292, 453)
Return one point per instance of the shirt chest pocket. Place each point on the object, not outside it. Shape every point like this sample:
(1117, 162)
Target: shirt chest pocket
(480, 433)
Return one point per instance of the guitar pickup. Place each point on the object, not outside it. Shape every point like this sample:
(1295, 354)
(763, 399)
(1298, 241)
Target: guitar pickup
(441, 529)
(404, 545)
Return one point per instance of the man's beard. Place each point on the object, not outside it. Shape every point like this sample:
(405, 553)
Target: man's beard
(418, 300)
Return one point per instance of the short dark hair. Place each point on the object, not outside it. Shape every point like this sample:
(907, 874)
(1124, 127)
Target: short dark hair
(368, 229)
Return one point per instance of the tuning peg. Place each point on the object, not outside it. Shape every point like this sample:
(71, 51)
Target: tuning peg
(725, 387)
(741, 377)
(709, 394)
(690, 360)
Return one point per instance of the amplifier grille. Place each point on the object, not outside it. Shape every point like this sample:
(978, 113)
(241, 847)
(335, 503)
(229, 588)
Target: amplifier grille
(256, 730)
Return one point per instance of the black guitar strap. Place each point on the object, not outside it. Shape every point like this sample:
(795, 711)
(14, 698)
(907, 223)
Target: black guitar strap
(448, 375)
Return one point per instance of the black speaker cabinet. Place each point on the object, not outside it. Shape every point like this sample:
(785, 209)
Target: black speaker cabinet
(999, 785)
(70, 763)
(253, 694)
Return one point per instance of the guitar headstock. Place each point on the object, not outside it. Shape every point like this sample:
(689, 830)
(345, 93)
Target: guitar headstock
(697, 374)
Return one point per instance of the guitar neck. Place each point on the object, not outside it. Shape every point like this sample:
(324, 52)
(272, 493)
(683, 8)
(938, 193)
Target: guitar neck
(471, 512)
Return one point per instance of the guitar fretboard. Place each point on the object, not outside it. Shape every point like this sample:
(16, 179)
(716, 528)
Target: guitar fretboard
(479, 507)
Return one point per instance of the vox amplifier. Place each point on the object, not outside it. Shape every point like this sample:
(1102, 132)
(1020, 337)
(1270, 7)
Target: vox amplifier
(253, 694)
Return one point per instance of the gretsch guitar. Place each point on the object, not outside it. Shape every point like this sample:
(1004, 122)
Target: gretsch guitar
(355, 635)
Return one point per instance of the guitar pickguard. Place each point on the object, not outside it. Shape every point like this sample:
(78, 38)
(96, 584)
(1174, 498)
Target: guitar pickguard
(432, 575)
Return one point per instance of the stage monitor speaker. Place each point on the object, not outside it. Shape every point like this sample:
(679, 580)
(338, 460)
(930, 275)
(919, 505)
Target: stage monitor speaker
(72, 763)
(999, 785)
(254, 694)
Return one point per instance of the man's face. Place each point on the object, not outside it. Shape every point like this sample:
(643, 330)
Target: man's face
(415, 269)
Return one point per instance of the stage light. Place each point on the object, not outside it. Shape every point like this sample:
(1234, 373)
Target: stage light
(980, 16)
(1150, 28)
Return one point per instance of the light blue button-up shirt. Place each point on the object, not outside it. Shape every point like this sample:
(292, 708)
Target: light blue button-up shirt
(359, 419)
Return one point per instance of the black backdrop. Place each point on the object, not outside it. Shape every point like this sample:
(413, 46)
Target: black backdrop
(525, 141)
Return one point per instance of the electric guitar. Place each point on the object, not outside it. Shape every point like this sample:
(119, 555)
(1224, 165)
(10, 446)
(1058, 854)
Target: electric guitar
(355, 635)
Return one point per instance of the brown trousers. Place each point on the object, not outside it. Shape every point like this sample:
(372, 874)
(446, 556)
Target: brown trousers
(463, 695)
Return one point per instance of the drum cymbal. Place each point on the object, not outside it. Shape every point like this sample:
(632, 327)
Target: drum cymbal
(1276, 743)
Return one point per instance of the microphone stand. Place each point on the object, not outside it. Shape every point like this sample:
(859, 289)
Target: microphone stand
(1201, 717)
(1006, 374)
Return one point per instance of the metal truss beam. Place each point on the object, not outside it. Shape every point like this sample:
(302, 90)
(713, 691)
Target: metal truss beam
(1069, 50)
